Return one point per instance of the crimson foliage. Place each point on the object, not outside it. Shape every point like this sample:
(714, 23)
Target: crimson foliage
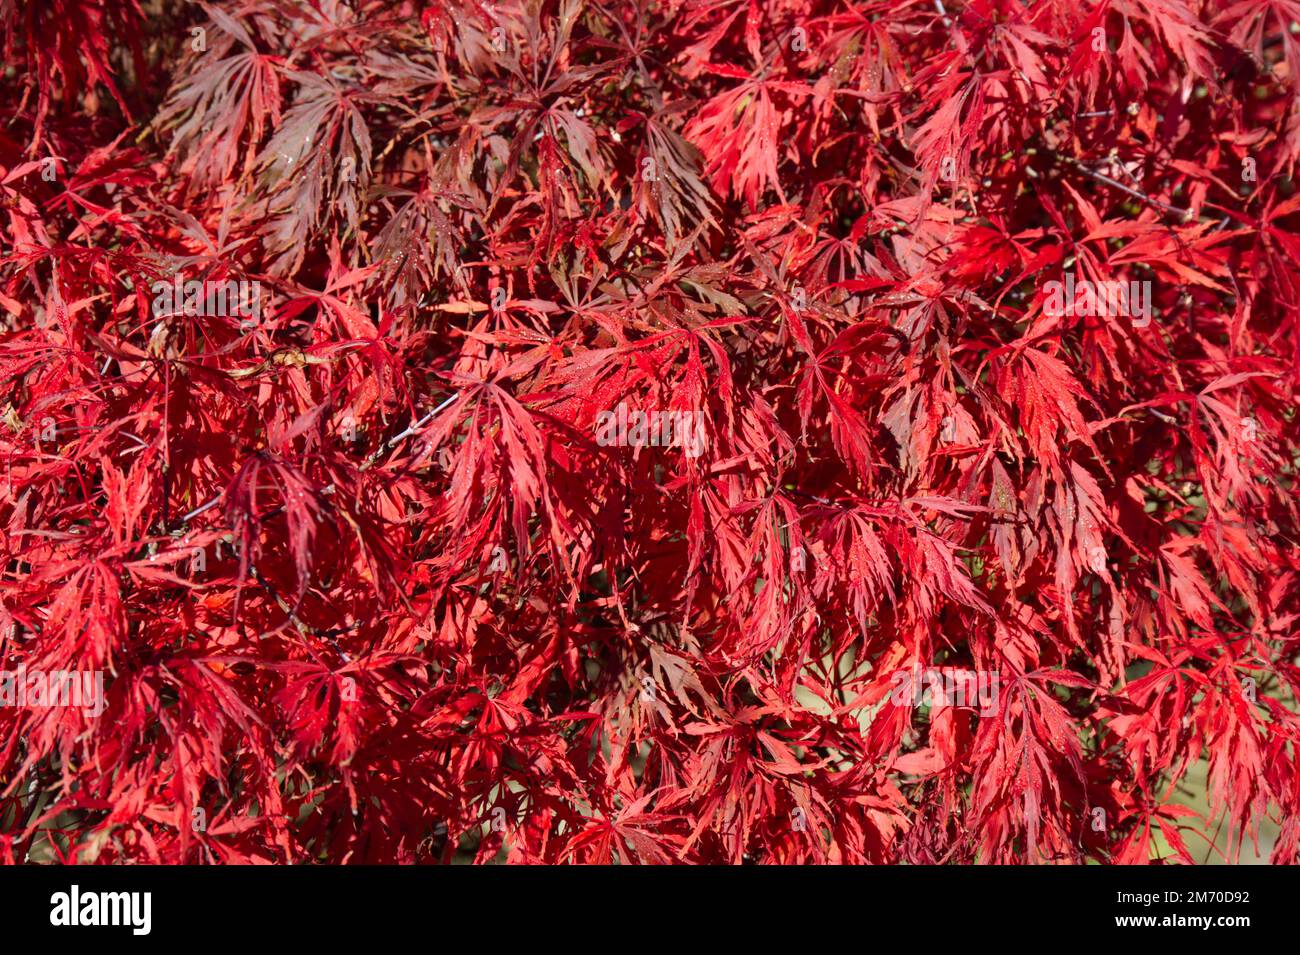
(371, 577)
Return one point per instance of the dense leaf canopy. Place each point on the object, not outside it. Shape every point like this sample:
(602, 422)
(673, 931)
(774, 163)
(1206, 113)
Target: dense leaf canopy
(365, 580)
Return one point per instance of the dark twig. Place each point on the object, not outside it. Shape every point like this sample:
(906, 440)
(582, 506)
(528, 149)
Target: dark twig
(1184, 214)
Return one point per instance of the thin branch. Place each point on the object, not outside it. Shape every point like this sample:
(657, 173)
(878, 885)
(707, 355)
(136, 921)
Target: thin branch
(413, 429)
(186, 518)
(1184, 214)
